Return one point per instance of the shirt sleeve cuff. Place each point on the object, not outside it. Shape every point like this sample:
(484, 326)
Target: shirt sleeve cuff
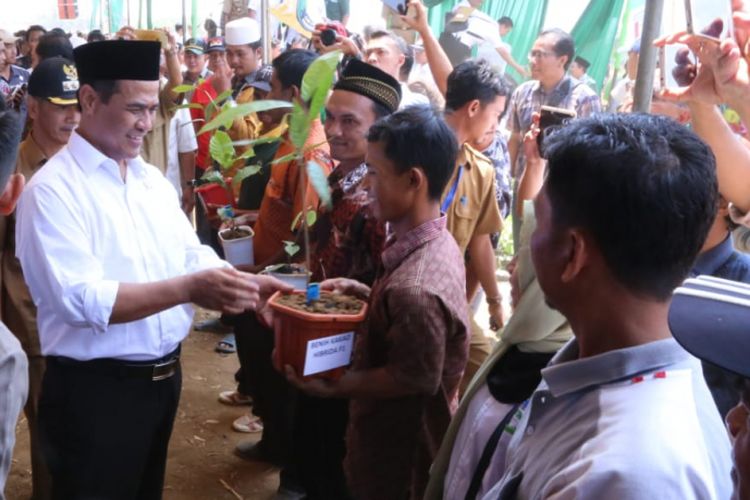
(99, 303)
(738, 216)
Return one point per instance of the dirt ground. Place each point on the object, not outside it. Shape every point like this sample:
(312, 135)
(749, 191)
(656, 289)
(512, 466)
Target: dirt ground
(200, 451)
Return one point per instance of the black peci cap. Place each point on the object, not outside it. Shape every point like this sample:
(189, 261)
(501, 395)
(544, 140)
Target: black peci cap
(371, 82)
(118, 60)
(56, 80)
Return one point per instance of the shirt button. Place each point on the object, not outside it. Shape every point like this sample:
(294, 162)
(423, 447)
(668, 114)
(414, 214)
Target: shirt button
(543, 400)
(529, 430)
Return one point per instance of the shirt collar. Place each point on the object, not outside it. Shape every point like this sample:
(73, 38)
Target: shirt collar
(89, 158)
(32, 154)
(567, 374)
(538, 86)
(708, 262)
(399, 249)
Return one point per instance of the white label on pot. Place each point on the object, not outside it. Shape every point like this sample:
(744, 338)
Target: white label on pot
(328, 353)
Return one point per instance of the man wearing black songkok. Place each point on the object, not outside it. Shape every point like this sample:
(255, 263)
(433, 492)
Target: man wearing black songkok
(348, 243)
(112, 265)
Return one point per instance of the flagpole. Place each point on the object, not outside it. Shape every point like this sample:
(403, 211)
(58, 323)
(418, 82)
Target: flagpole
(644, 82)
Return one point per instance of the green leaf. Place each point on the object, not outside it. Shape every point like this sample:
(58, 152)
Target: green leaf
(221, 149)
(222, 97)
(312, 217)
(291, 248)
(212, 176)
(299, 126)
(285, 158)
(317, 73)
(255, 142)
(228, 114)
(319, 182)
(191, 105)
(181, 89)
(244, 173)
(249, 153)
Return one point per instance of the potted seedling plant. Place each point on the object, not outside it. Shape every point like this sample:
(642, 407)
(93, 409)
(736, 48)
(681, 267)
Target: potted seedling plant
(313, 330)
(232, 160)
(237, 241)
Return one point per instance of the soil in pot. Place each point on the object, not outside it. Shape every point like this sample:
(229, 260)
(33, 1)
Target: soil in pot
(289, 269)
(235, 233)
(329, 303)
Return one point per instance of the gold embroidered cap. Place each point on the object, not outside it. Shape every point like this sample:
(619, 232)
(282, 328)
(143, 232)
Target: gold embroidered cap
(56, 80)
(371, 82)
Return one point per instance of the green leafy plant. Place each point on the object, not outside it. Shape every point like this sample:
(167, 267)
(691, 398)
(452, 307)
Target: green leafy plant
(316, 84)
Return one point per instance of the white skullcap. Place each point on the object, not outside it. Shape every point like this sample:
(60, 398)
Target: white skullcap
(242, 31)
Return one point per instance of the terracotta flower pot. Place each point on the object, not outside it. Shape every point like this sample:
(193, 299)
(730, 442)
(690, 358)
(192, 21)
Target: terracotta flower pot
(315, 345)
(238, 251)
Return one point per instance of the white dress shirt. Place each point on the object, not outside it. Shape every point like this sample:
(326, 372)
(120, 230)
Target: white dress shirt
(82, 231)
(181, 140)
(14, 387)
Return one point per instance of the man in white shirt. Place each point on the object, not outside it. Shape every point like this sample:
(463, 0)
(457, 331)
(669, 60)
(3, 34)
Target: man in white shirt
(113, 265)
(181, 158)
(494, 49)
(389, 52)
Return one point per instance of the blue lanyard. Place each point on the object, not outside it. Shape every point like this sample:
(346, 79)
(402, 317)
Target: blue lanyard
(452, 194)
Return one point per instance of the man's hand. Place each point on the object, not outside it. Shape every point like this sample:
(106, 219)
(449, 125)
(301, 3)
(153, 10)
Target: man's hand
(231, 291)
(188, 199)
(221, 80)
(419, 22)
(320, 388)
(346, 286)
(345, 44)
(497, 316)
(530, 144)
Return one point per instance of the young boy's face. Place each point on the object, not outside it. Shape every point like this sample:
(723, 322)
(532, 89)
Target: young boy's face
(738, 424)
(389, 190)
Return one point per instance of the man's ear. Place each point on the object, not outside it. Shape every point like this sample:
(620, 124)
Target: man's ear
(416, 178)
(12, 192)
(32, 106)
(295, 93)
(87, 98)
(577, 258)
(473, 108)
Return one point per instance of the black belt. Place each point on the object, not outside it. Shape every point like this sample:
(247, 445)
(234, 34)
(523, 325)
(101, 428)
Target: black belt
(158, 369)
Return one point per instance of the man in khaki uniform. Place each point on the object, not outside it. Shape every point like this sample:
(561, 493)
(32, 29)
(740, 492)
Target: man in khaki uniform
(474, 101)
(53, 109)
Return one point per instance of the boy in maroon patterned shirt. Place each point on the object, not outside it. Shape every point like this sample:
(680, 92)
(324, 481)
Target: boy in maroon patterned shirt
(410, 354)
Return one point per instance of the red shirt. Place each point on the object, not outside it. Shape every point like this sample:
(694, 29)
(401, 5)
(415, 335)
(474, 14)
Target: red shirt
(204, 94)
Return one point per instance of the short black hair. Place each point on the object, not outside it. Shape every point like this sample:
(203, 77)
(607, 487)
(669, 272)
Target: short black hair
(403, 47)
(417, 136)
(470, 80)
(290, 66)
(34, 27)
(96, 36)
(11, 126)
(105, 89)
(505, 21)
(177, 27)
(256, 45)
(643, 186)
(564, 44)
(380, 110)
(54, 44)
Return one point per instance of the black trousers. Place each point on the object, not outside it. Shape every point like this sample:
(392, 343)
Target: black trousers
(105, 437)
(320, 447)
(273, 397)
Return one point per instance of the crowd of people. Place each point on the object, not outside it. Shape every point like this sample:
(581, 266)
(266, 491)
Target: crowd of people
(622, 357)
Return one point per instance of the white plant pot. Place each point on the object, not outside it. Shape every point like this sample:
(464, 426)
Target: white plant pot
(239, 252)
(296, 280)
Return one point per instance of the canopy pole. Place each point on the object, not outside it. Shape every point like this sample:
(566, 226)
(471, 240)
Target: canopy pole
(265, 30)
(644, 82)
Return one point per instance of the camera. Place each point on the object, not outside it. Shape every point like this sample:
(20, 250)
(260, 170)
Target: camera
(328, 37)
